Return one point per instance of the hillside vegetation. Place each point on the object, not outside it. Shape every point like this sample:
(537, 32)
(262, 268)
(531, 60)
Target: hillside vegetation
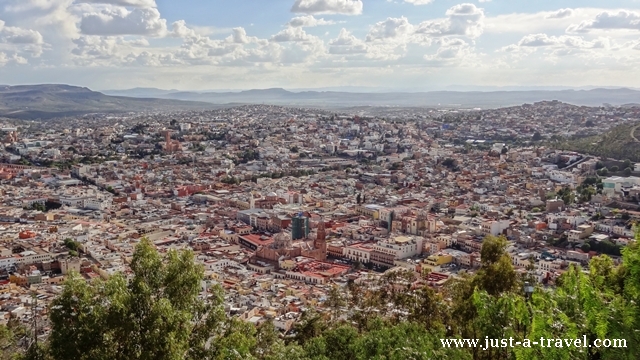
(159, 314)
(619, 143)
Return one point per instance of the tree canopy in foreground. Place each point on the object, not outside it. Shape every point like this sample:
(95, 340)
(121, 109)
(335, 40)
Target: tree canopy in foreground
(160, 312)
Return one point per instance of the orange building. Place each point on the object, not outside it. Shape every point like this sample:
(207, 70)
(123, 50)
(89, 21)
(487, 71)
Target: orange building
(26, 234)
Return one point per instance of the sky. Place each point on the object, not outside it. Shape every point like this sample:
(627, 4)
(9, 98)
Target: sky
(304, 44)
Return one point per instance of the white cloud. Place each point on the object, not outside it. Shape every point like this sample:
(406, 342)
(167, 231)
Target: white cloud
(98, 47)
(608, 21)
(239, 36)
(132, 3)
(20, 41)
(308, 21)
(462, 19)
(347, 44)
(567, 42)
(560, 14)
(345, 7)
(452, 51)
(292, 34)
(544, 21)
(120, 21)
(391, 28)
(16, 35)
(419, 2)
(14, 58)
(53, 17)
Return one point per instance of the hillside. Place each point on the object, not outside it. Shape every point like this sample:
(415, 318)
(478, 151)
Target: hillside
(48, 101)
(341, 99)
(619, 143)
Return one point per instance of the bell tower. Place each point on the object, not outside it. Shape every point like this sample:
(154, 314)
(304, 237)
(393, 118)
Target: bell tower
(321, 239)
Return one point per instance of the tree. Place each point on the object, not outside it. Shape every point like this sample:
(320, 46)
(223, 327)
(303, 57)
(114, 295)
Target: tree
(71, 244)
(566, 194)
(335, 301)
(269, 346)
(496, 275)
(10, 335)
(585, 193)
(627, 171)
(615, 168)
(156, 315)
(536, 136)
(449, 162)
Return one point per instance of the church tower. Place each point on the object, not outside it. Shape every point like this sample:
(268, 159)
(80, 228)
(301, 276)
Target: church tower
(321, 240)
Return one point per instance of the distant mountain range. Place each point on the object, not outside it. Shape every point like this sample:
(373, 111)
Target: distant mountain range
(338, 99)
(48, 101)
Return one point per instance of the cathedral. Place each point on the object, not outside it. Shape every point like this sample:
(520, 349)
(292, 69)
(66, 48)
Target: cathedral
(283, 248)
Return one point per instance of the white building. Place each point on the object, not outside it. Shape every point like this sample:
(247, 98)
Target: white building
(360, 252)
(401, 247)
(494, 227)
(562, 176)
(615, 184)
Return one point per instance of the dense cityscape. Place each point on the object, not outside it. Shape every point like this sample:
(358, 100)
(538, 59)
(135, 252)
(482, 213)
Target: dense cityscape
(284, 207)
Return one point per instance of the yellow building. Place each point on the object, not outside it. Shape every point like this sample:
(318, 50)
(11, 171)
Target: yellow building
(18, 280)
(369, 210)
(437, 260)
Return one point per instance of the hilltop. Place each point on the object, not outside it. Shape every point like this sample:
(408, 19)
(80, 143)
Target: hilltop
(622, 142)
(49, 101)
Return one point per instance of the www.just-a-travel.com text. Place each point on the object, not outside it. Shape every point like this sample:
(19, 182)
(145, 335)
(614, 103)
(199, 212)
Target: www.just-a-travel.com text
(542, 342)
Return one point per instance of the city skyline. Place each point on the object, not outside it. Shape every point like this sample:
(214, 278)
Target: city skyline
(397, 45)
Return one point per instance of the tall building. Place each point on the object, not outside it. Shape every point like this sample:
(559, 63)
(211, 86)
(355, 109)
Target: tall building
(170, 146)
(320, 243)
(299, 227)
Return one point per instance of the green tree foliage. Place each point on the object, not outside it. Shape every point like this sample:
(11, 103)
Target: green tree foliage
(10, 335)
(496, 264)
(160, 313)
(157, 314)
(616, 143)
(71, 244)
(585, 192)
(567, 195)
(605, 247)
